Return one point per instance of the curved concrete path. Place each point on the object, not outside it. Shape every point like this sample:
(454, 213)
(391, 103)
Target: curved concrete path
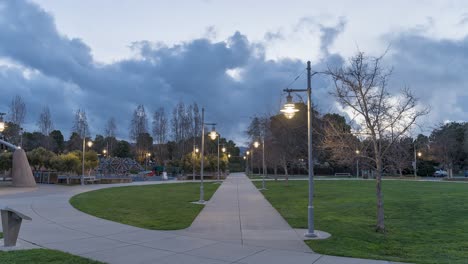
(237, 226)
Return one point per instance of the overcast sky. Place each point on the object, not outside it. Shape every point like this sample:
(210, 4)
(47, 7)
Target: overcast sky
(233, 57)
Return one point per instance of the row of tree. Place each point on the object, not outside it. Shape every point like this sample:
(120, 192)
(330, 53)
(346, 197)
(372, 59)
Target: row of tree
(169, 140)
(43, 159)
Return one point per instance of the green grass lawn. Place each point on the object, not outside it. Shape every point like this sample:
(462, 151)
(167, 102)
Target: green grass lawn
(160, 207)
(42, 256)
(426, 222)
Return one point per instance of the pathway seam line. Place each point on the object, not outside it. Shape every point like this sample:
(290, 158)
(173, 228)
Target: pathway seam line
(240, 218)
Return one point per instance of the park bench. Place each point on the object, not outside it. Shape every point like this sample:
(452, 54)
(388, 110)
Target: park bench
(11, 223)
(91, 179)
(343, 174)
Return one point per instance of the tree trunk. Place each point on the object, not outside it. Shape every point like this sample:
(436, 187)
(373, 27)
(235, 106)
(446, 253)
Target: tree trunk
(380, 203)
(276, 172)
(286, 174)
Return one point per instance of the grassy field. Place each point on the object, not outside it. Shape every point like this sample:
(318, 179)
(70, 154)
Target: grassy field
(160, 207)
(42, 256)
(426, 221)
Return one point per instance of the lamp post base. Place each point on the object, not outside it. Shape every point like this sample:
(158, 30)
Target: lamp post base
(317, 235)
(310, 235)
(200, 202)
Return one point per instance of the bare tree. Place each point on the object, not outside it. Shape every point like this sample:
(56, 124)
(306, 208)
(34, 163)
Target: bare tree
(361, 88)
(196, 118)
(44, 122)
(111, 128)
(139, 130)
(185, 124)
(160, 130)
(17, 110)
(400, 155)
(80, 124)
(139, 124)
(110, 133)
(447, 145)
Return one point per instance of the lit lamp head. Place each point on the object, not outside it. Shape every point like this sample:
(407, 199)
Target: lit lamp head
(229, 155)
(213, 133)
(2, 123)
(358, 152)
(197, 150)
(245, 157)
(289, 109)
(419, 154)
(90, 143)
(148, 154)
(223, 149)
(256, 144)
(247, 153)
(104, 152)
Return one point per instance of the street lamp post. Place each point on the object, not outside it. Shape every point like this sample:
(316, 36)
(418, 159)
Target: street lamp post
(218, 158)
(256, 145)
(148, 155)
(415, 163)
(213, 136)
(246, 165)
(247, 168)
(357, 163)
(90, 144)
(223, 149)
(417, 155)
(194, 155)
(289, 111)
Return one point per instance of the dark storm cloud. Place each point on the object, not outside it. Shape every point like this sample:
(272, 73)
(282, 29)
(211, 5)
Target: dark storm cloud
(231, 78)
(436, 71)
(63, 73)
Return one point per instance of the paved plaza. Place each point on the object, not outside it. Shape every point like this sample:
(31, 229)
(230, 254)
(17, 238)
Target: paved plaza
(238, 225)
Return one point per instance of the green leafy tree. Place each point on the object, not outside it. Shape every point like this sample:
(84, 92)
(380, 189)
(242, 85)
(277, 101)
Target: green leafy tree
(75, 142)
(57, 141)
(40, 158)
(6, 161)
(91, 161)
(122, 150)
(33, 140)
(69, 162)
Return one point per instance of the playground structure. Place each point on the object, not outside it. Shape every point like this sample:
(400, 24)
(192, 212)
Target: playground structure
(118, 166)
(21, 173)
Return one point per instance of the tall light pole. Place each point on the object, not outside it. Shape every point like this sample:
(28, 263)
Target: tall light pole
(148, 155)
(247, 162)
(90, 144)
(246, 158)
(263, 163)
(357, 163)
(223, 149)
(194, 155)
(212, 135)
(417, 154)
(415, 163)
(289, 111)
(218, 158)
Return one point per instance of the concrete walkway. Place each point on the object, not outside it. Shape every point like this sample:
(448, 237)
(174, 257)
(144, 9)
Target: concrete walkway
(237, 226)
(239, 213)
